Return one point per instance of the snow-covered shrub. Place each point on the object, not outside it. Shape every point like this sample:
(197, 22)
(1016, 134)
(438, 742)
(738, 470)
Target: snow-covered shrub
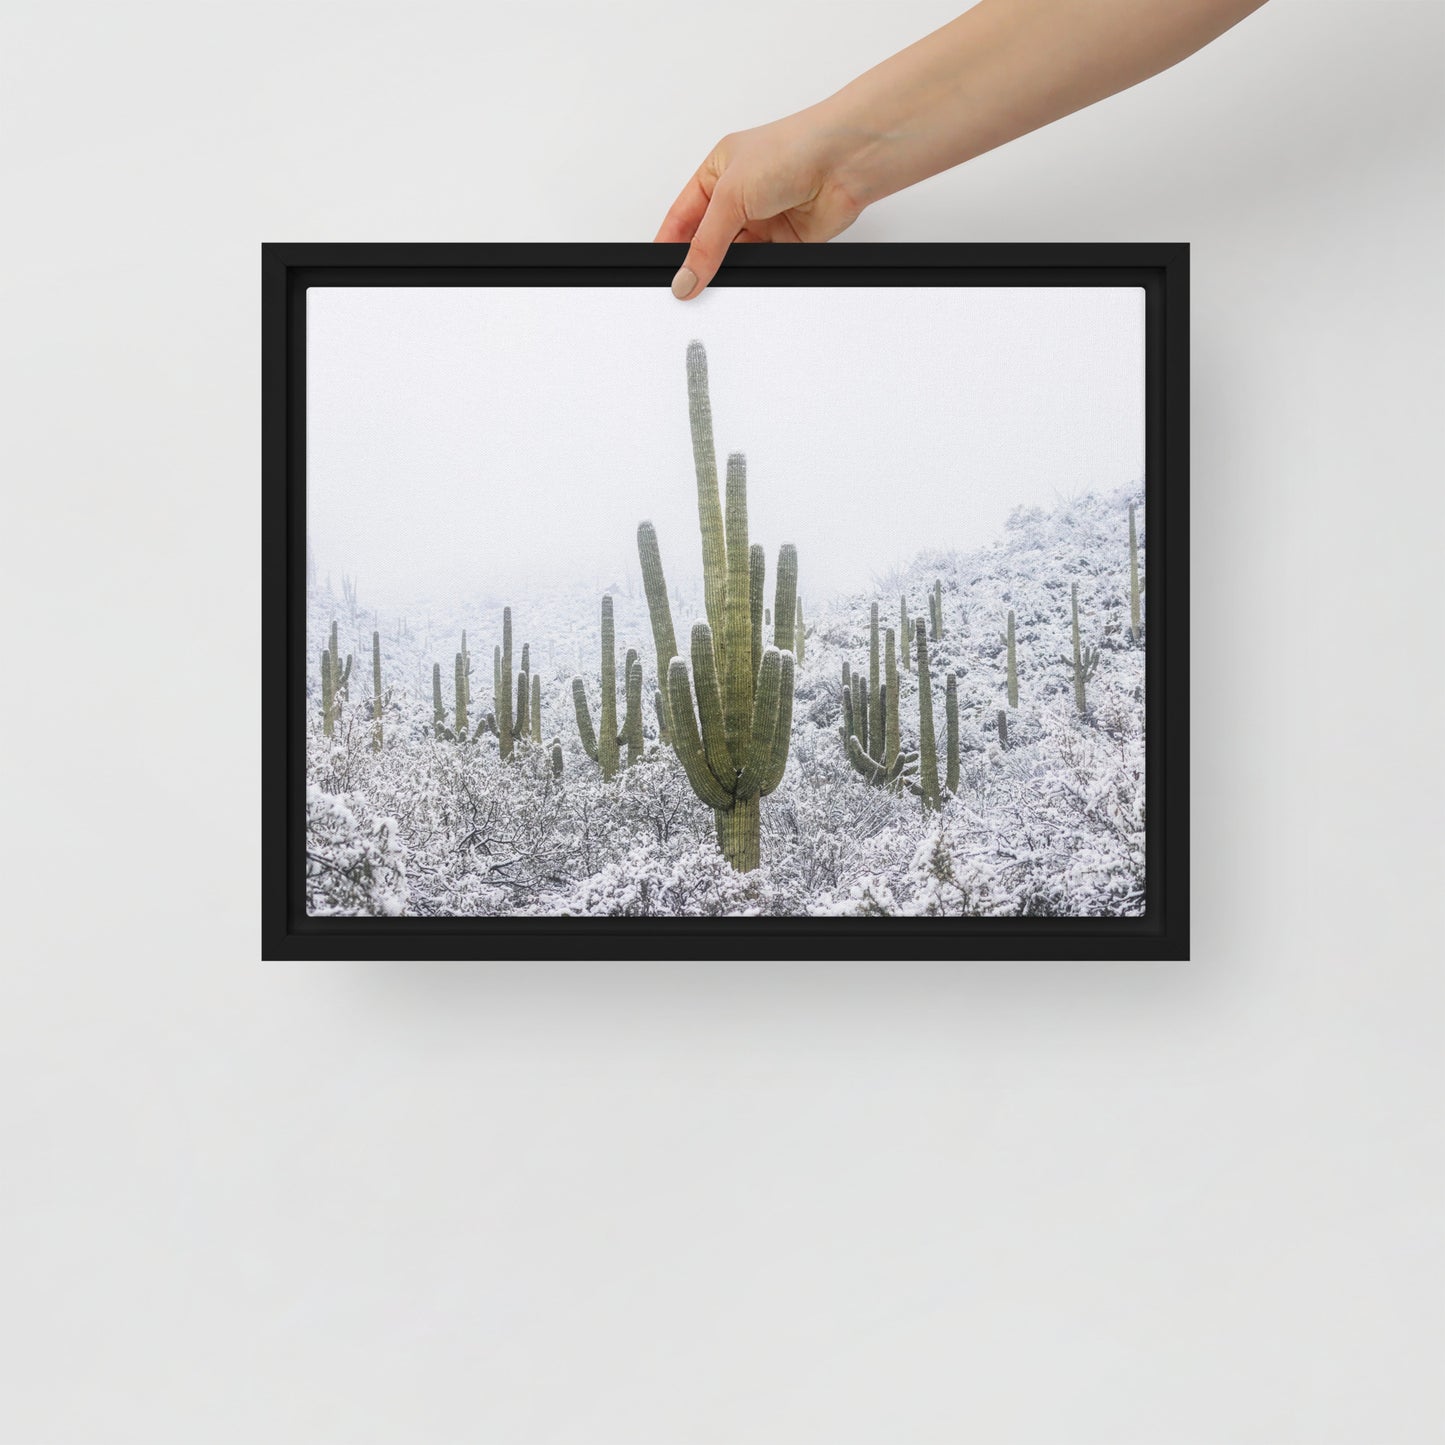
(354, 864)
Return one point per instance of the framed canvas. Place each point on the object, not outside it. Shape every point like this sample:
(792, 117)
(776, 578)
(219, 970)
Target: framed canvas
(841, 612)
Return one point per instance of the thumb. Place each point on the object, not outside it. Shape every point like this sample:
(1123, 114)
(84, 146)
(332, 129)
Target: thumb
(717, 230)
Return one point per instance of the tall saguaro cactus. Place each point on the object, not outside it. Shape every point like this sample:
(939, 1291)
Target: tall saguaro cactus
(632, 723)
(1013, 675)
(734, 747)
(905, 633)
(329, 705)
(438, 711)
(1086, 659)
(927, 747)
(950, 709)
(1133, 578)
(536, 709)
(935, 611)
(601, 745)
(376, 692)
(502, 701)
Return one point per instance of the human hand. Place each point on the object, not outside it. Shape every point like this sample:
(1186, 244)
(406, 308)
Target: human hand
(777, 182)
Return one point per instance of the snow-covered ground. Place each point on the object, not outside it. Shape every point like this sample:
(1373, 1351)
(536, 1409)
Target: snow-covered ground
(1052, 825)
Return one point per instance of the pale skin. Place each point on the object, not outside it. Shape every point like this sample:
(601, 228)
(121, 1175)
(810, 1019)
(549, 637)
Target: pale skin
(1002, 69)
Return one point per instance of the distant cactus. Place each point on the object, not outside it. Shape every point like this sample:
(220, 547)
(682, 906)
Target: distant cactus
(460, 696)
(744, 701)
(1002, 728)
(1086, 659)
(871, 738)
(601, 745)
(376, 699)
(935, 611)
(340, 675)
(440, 730)
(536, 709)
(1134, 618)
(905, 633)
(1013, 676)
(329, 704)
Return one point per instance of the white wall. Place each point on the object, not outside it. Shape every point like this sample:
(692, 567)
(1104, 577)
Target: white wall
(523, 1203)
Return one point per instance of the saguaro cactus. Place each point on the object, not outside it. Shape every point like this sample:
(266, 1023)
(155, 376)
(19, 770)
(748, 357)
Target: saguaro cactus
(1002, 728)
(1013, 676)
(536, 709)
(328, 692)
(1133, 577)
(739, 753)
(1086, 659)
(950, 709)
(556, 759)
(502, 702)
(601, 745)
(438, 712)
(800, 635)
(935, 611)
(880, 758)
(376, 691)
(460, 691)
(927, 747)
(340, 675)
(632, 723)
(905, 633)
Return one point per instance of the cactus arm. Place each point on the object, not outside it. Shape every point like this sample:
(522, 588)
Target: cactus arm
(686, 742)
(785, 600)
(765, 722)
(735, 672)
(783, 728)
(757, 575)
(848, 722)
(710, 706)
(709, 509)
(659, 610)
(584, 718)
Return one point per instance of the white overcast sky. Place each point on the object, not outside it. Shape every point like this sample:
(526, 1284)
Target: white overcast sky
(465, 439)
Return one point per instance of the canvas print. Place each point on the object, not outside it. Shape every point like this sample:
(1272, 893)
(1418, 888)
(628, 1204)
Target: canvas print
(792, 601)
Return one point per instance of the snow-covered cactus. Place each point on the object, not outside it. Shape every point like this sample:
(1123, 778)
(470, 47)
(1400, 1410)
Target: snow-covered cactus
(880, 759)
(329, 704)
(935, 611)
(466, 667)
(438, 711)
(601, 745)
(1002, 728)
(376, 692)
(536, 709)
(556, 759)
(1133, 578)
(738, 753)
(1086, 659)
(1013, 675)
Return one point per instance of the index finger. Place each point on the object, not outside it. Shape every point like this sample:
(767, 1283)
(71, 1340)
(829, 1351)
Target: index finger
(681, 221)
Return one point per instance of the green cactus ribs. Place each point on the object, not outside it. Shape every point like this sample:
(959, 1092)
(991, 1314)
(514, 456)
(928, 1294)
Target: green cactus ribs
(729, 718)
(1085, 659)
(870, 714)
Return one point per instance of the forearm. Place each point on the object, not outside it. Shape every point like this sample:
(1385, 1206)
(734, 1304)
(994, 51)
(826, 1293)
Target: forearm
(1000, 70)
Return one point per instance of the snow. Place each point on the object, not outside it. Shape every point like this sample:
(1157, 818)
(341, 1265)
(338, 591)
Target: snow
(1052, 825)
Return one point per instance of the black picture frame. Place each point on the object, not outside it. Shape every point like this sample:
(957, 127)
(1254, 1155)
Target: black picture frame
(1161, 932)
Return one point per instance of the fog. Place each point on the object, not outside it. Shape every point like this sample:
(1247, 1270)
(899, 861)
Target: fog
(492, 441)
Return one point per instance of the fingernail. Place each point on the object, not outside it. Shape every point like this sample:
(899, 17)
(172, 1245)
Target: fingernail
(684, 284)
